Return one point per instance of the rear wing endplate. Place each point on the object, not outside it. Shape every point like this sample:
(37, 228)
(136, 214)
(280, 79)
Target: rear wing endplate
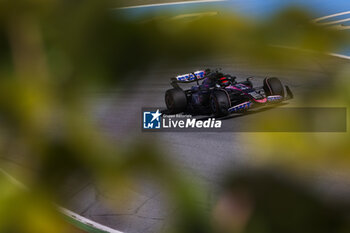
(188, 78)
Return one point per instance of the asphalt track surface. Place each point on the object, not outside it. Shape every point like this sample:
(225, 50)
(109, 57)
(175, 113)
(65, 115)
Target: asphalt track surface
(201, 157)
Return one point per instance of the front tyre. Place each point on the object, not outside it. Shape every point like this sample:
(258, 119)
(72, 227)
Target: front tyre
(175, 100)
(273, 86)
(219, 103)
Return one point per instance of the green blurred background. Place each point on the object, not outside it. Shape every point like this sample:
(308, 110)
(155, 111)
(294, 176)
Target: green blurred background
(54, 54)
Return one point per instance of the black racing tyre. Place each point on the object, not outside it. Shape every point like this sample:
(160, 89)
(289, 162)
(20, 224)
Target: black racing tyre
(273, 86)
(219, 103)
(175, 100)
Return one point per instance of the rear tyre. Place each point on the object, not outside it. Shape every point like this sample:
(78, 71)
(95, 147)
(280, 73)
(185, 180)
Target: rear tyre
(273, 86)
(219, 103)
(175, 100)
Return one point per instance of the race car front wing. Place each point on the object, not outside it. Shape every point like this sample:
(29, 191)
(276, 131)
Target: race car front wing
(273, 99)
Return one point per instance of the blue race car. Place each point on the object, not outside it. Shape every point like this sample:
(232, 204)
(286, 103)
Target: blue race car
(220, 94)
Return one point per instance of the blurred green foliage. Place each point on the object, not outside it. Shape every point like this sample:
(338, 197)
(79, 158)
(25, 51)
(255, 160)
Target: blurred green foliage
(53, 53)
(269, 201)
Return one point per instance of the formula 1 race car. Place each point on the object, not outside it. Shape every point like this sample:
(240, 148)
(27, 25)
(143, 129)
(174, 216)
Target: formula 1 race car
(220, 94)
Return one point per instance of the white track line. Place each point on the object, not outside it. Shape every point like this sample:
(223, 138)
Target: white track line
(339, 55)
(170, 4)
(336, 21)
(86, 221)
(331, 16)
(64, 211)
(334, 24)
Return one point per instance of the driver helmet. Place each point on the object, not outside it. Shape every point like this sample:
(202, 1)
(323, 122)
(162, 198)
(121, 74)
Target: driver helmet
(224, 81)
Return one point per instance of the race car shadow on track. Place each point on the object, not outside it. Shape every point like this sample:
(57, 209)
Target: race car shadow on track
(192, 113)
(236, 115)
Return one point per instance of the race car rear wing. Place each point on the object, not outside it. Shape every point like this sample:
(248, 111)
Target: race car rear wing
(188, 78)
